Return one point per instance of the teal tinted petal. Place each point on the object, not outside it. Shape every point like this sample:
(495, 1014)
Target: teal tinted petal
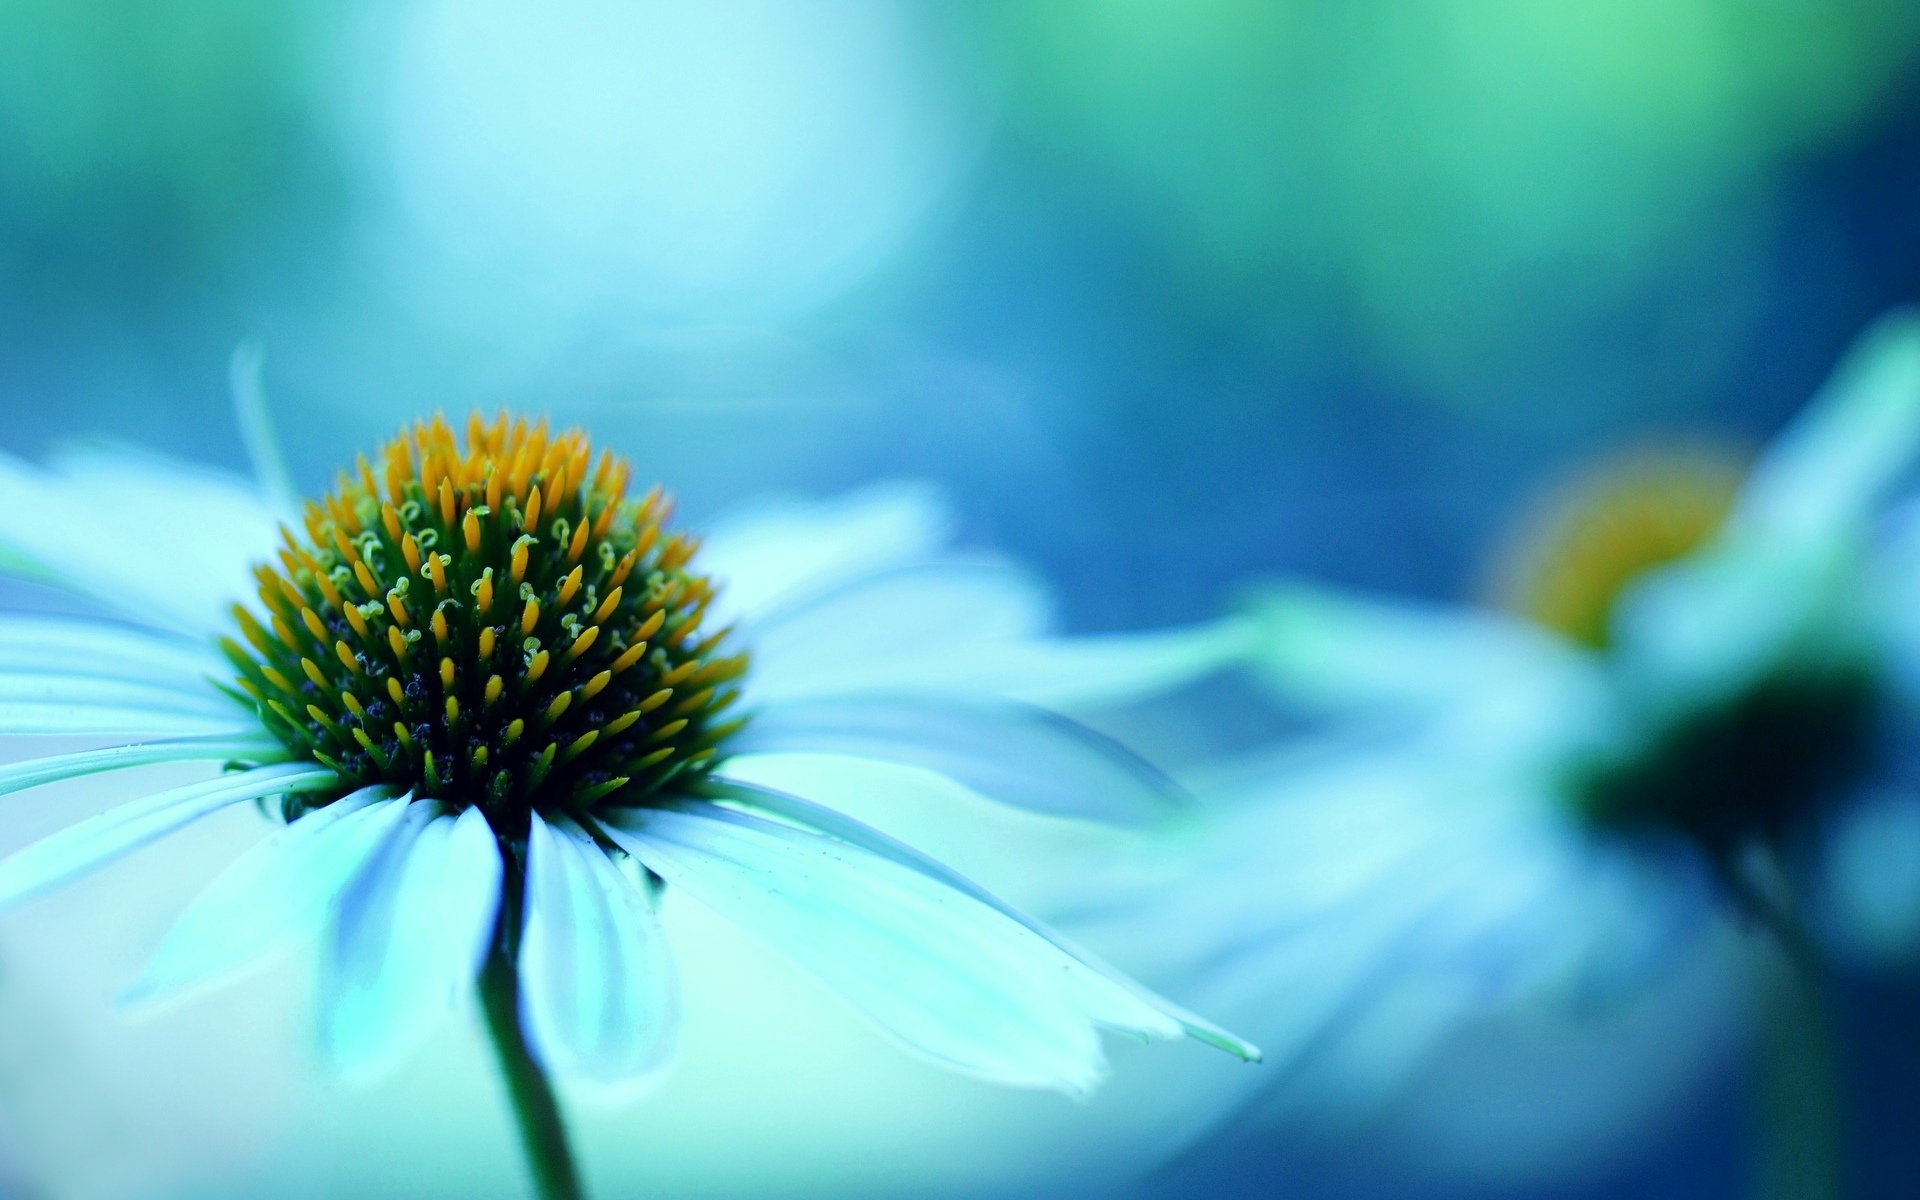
(116, 720)
(1836, 462)
(1327, 650)
(862, 628)
(412, 929)
(1125, 1004)
(191, 697)
(164, 544)
(72, 646)
(282, 888)
(947, 976)
(1026, 757)
(76, 850)
(599, 998)
(783, 552)
(18, 777)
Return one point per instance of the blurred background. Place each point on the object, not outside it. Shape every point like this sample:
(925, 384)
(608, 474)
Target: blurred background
(1170, 294)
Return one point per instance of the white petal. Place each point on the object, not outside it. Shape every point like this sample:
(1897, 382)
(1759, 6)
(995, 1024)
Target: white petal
(784, 551)
(1835, 463)
(903, 610)
(194, 696)
(18, 777)
(1131, 1005)
(978, 627)
(1327, 650)
(80, 848)
(1075, 672)
(107, 720)
(277, 891)
(1018, 755)
(949, 977)
(82, 647)
(412, 930)
(164, 543)
(599, 996)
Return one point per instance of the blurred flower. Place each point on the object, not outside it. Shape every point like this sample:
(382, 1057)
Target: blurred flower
(480, 691)
(1552, 808)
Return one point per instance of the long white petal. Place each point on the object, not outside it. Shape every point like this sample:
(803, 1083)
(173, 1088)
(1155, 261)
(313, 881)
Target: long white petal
(118, 720)
(80, 848)
(277, 891)
(18, 777)
(1323, 649)
(190, 695)
(599, 995)
(980, 627)
(905, 610)
(1023, 756)
(836, 824)
(166, 544)
(1852, 442)
(413, 928)
(1074, 673)
(784, 551)
(944, 974)
(77, 646)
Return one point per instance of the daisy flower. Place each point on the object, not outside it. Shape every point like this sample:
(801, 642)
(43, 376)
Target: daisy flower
(497, 707)
(1673, 723)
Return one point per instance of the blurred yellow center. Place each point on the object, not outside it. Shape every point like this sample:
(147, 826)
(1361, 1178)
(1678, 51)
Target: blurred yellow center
(1572, 558)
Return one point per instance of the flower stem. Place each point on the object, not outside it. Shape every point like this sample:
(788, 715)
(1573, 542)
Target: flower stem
(536, 1110)
(1799, 1103)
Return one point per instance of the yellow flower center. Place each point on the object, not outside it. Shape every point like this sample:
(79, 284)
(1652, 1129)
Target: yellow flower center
(1571, 560)
(493, 623)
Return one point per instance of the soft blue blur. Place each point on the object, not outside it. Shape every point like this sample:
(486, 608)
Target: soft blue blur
(1171, 294)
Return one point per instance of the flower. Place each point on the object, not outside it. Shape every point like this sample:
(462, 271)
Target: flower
(491, 700)
(1674, 726)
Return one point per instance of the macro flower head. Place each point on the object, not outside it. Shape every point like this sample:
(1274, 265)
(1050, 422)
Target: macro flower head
(1673, 723)
(494, 703)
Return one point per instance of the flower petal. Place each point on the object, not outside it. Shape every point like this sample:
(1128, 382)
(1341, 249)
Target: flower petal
(1074, 672)
(784, 551)
(838, 825)
(979, 627)
(1329, 650)
(81, 647)
(18, 777)
(1830, 468)
(599, 998)
(80, 848)
(902, 611)
(1019, 755)
(189, 696)
(167, 544)
(116, 720)
(413, 928)
(278, 890)
(948, 977)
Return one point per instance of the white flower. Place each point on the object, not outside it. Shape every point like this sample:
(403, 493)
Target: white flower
(1564, 808)
(486, 695)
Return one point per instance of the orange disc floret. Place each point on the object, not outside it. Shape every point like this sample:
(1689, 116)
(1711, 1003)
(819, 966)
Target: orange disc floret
(491, 623)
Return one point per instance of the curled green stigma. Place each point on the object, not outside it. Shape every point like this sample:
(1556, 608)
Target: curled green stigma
(494, 625)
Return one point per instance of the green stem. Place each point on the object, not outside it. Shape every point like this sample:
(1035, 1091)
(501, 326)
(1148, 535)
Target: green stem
(1799, 1103)
(536, 1110)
